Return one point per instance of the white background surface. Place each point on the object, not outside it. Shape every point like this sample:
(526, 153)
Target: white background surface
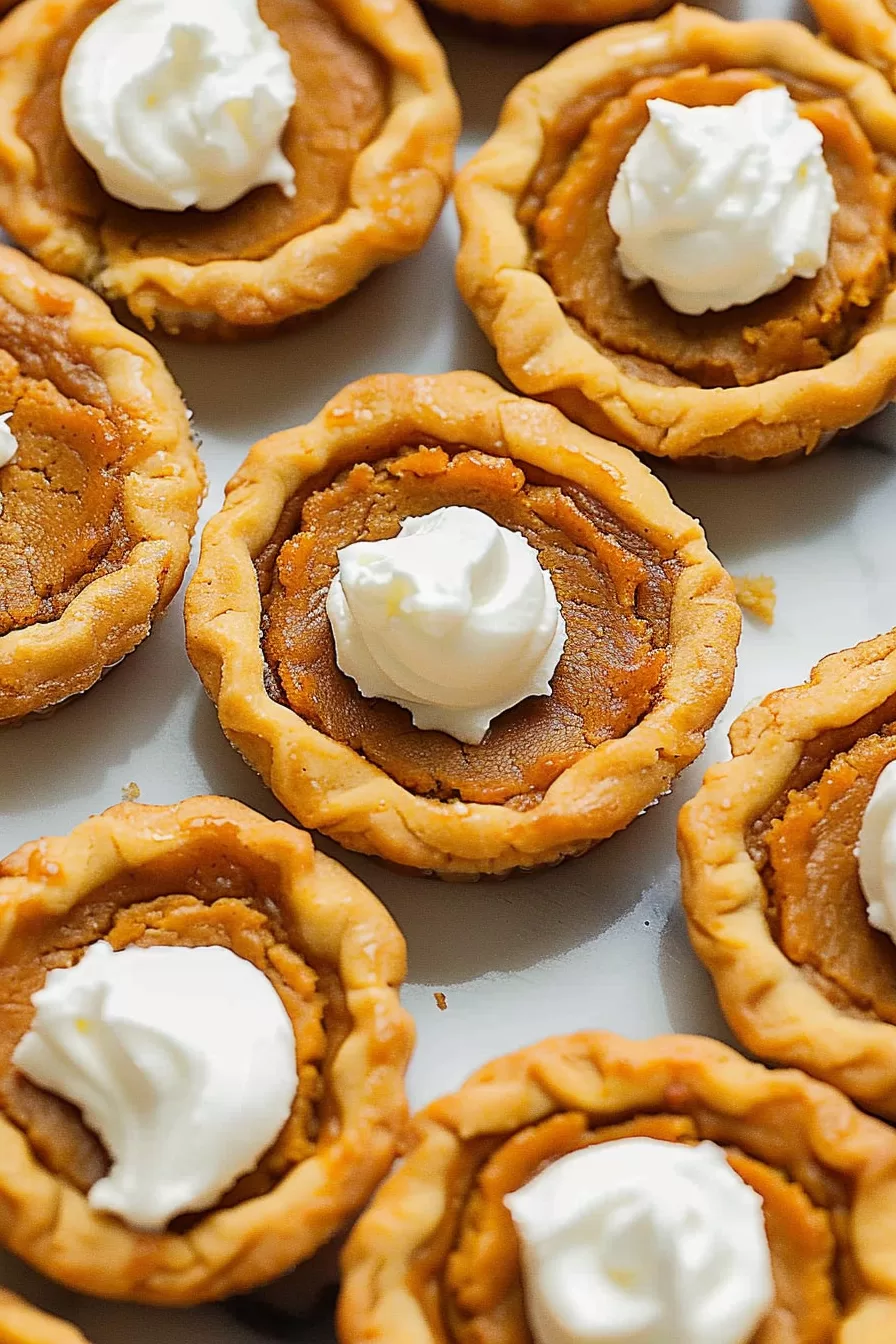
(599, 942)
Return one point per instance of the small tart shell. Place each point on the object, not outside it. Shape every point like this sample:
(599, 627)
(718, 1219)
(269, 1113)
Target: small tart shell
(769, 1003)
(394, 1262)
(24, 1324)
(864, 28)
(398, 187)
(543, 354)
(573, 13)
(41, 665)
(343, 928)
(332, 788)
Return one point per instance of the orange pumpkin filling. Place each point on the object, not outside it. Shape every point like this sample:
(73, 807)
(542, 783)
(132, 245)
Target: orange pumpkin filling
(62, 524)
(614, 588)
(804, 326)
(482, 1297)
(342, 101)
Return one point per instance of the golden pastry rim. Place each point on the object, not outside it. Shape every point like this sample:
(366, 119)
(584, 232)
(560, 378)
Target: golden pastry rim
(537, 347)
(43, 664)
(606, 1075)
(770, 1005)
(50, 1224)
(28, 1325)
(330, 787)
(865, 29)
(530, 13)
(398, 186)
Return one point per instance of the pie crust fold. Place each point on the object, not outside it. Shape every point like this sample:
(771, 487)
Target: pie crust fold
(864, 28)
(209, 871)
(785, 1009)
(119, 382)
(434, 1258)
(550, 354)
(396, 189)
(332, 787)
(21, 1323)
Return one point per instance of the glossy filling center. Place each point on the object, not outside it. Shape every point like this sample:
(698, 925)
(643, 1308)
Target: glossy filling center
(804, 326)
(816, 907)
(483, 1297)
(220, 905)
(343, 100)
(62, 524)
(614, 588)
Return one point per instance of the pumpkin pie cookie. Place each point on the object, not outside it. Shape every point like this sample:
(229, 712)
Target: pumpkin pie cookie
(357, 178)
(787, 876)
(23, 1324)
(681, 234)
(450, 628)
(100, 485)
(760, 1200)
(202, 1051)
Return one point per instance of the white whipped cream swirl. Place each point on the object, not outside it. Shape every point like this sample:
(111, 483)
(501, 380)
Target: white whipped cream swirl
(721, 205)
(181, 1059)
(876, 853)
(8, 446)
(454, 619)
(639, 1241)
(178, 103)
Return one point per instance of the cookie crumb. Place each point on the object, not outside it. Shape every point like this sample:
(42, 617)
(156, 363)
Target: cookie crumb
(756, 595)
(130, 793)
(441, 1001)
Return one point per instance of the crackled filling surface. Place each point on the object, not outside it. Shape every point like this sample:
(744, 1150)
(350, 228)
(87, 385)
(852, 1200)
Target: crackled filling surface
(805, 849)
(201, 900)
(615, 590)
(804, 326)
(343, 100)
(474, 1256)
(62, 523)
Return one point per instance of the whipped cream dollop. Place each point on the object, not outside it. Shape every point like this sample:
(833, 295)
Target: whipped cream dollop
(643, 1242)
(178, 103)
(876, 853)
(454, 619)
(8, 446)
(181, 1059)
(721, 205)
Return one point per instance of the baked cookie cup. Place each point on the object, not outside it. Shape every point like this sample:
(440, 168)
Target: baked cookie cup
(436, 1256)
(538, 263)
(650, 618)
(771, 879)
(23, 1324)
(199, 878)
(99, 496)
(569, 13)
(370, 139)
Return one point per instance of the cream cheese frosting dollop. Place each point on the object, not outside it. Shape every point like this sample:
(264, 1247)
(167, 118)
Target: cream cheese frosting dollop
(454, 618)
(179, 103)
(721, 205)
(876, 853)
(640, 1241)
(181, 1059)
(8, 446)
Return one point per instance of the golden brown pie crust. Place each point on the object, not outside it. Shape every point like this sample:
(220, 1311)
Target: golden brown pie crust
(543, 346)
(434, 1260)
(389, 171)
(334, 788)
(770, 881)
(107, 483)
(335, 957)
(864, 28)
(24, 1324)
